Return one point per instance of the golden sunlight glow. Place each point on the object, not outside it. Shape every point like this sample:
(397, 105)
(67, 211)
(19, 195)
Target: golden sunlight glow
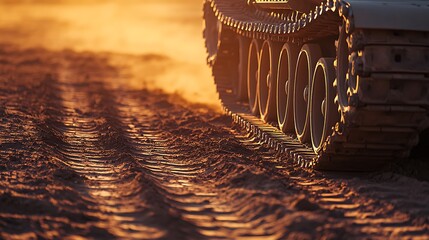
(166, 28)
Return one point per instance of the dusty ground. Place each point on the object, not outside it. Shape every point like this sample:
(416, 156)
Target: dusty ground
(89, 148)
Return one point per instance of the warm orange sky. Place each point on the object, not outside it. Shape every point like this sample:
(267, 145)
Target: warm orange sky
(162, 27)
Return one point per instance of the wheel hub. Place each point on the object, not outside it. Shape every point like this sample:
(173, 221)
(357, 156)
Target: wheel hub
(268, 80)
(287, 87)
(323, 107)
(306, 93)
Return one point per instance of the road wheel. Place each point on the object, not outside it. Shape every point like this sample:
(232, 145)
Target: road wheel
(285, 79)
(323, 111)
(252, 76)
(268, 65)
(307, 59)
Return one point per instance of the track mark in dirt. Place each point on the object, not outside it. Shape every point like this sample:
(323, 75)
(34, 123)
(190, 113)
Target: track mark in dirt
(108, 181)
(376, 206)
(83, 156)
(125, 125)
(194, 201)
(34, 198)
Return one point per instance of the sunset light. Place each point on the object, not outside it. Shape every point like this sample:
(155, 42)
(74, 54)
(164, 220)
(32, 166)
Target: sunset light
(214, 119)
(136, 30)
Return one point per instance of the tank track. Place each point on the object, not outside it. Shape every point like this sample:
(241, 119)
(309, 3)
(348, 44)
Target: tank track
(385, 104)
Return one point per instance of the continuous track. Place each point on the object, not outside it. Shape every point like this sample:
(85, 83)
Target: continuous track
(383, 98)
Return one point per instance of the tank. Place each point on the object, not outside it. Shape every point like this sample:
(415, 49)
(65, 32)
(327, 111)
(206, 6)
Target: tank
(335, 85)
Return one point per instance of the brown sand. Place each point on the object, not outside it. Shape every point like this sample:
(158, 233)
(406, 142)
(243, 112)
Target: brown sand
(85, 153)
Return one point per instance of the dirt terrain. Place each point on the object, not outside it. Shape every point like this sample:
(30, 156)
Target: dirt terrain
(95, 144)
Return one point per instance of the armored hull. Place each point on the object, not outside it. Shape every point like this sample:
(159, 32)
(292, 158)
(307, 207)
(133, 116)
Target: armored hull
(336, 85)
